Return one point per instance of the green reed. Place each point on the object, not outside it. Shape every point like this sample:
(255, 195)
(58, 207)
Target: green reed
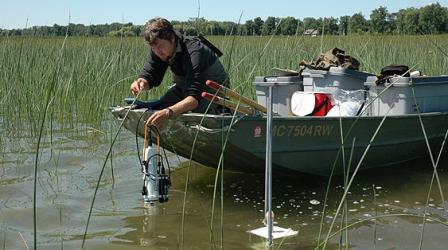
(95, 73)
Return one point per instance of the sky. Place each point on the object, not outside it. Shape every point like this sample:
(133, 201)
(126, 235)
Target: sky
(27, 13)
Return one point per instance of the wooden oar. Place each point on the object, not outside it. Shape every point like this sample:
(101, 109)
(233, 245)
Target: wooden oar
(232, 94)
(227, 103)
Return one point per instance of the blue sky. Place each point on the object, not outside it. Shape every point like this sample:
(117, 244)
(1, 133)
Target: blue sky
(14, 13)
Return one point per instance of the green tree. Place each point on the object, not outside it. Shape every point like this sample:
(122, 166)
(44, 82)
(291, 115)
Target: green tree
(57, 30)
(258, 26)
(250, 27)
(229, 28)
(198, 24)
(300, 27)
(330, 25)
(358, 24)
(391, 23)
(378, 20)
(446, 23)
(343, 25)
(124, 31)
(213, 28)
(269, 26)
(432, 19)
(312, 23)
(288, 26)
(407, 21)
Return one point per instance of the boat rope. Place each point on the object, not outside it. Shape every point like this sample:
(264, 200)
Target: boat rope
(208, 130)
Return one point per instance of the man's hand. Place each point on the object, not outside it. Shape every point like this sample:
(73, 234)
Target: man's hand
(187, 104)
(158, 117)
(139, 85)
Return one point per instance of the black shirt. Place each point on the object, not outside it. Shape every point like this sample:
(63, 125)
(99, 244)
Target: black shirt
(189, 65)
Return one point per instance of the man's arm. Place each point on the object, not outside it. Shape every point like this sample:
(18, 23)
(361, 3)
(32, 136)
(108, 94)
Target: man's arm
(152, 73)
(187, 104)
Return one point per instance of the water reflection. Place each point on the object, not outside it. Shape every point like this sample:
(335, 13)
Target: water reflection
(298, 204)
(384, 206)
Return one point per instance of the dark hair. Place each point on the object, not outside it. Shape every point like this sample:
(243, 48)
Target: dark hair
(158, 28)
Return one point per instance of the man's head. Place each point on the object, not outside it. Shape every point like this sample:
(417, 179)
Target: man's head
(159, 34)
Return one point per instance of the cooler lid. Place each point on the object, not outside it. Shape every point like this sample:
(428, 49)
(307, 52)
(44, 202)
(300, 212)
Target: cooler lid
(407, 81)
(336, 71)
(276, 80)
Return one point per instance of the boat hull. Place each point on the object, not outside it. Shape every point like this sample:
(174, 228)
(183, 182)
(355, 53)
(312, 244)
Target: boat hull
(309, 145)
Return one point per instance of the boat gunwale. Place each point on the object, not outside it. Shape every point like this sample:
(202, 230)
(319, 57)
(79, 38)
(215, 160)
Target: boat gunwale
(292, 118)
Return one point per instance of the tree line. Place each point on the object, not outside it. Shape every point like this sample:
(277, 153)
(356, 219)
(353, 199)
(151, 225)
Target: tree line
(430, 19)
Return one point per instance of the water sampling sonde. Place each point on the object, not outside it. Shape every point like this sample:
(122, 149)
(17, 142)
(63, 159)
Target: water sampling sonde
(156, 182)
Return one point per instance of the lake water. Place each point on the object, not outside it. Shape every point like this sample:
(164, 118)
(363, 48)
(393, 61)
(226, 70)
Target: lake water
(70, 165)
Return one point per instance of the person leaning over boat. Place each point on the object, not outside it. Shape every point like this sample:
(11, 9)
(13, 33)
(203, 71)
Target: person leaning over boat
(192, 61)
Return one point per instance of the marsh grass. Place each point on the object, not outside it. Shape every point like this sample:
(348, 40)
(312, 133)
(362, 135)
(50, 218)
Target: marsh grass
(435, 174)
(74, 80)
(43, 116)
(96, 72)
(375, 219)
(108, 155)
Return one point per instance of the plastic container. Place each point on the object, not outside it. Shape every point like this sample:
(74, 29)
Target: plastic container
(431, 94)
(305, 103)
(284, 87)
(337, 81)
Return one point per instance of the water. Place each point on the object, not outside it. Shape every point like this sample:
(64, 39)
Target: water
(70, 165)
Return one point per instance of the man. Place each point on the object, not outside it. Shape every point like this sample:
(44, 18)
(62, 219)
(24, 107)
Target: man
(192, 62)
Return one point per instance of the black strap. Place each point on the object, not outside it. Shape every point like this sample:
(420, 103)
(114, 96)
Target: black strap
(210, 45)
(321, 105)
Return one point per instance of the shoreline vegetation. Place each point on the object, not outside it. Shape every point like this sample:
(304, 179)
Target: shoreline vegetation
(94, 73)
(430, 19)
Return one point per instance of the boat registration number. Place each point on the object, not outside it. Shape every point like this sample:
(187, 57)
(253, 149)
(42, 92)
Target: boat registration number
(302, 130)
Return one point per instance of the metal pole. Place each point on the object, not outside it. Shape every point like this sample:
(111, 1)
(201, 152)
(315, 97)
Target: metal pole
(268, 177)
